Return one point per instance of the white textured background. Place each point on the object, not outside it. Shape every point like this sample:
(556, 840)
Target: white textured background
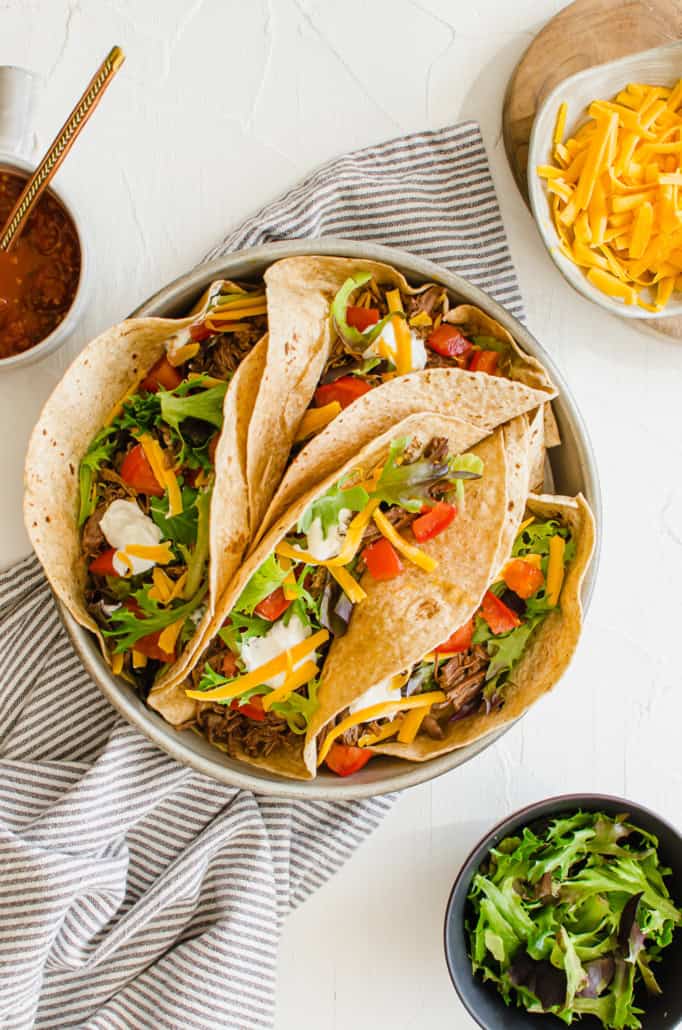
(220, 106)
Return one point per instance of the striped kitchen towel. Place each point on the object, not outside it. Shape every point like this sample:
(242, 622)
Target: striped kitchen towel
(135, 892)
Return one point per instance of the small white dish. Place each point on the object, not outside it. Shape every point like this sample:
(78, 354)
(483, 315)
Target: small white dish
(661, 67)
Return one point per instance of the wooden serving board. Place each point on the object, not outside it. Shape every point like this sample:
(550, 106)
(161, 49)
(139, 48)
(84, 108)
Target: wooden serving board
(586, 33)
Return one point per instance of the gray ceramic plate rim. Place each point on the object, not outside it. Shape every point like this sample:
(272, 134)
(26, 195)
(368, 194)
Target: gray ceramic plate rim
(522, 817)
(388, 775)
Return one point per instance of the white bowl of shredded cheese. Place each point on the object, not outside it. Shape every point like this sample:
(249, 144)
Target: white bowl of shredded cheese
(608, 198)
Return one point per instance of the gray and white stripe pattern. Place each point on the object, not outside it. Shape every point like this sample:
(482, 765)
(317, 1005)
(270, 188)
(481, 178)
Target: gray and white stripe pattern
(134, 892)
(430, 193)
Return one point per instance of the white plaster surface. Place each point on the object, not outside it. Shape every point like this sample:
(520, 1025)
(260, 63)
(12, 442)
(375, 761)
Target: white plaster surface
(219, 107)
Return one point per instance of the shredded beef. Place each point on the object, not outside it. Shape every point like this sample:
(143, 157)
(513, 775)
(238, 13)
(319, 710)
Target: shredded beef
(93, 539)
(434, 360)
(316, 581)
(431, 727)
(351, 736)
(462, 678)
(236, 732)
(222, 358)
(398, 517)
(437, 449)
(428, 300)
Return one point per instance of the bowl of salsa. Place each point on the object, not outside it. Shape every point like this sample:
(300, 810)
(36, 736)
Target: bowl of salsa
(42, 277)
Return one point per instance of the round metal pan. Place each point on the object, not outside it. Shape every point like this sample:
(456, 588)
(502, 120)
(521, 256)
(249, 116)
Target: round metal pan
(573, 471)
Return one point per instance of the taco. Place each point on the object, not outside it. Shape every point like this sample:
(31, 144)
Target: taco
(253, 690)
(136, 499)
(494, 665)
(379, 350)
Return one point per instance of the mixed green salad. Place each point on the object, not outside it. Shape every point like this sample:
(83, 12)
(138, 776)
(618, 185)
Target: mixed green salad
(571, 918)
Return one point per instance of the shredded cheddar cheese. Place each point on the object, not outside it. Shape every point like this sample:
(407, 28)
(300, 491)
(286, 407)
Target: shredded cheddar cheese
(351, 542)
(555, 569)
(350, 586)
(316, 419)
(160, 553)
(411, 723)
(403, 357)
(183, 354)
(378, 711)
(295, 679)
(168, 638)
(409, 551)
(283, 662)
(389, 729)
(614, 192)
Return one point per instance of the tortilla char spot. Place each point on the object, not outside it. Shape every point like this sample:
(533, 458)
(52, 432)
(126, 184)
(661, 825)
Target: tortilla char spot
(426, 609)
(134, 357)
(71, 469)
(47, 518)
(44, 432)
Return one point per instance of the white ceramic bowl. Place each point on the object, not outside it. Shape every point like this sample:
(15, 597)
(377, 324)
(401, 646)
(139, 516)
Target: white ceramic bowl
(573, 469)
(60, 334)
(661, 67)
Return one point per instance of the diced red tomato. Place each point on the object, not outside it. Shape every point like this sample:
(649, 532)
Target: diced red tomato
(162, 374)
(213, 446)
(228, 666)
(345, 760)
(433, 521)
(148, 645)
(522, 577)
(497, 614)
(103, 564)
(459, 641)
(253, 709)
(361, 318)
(138, 473)
(199, 332)
(449, 342)
(382, 560)
(272, 606)
(345, 390)
(484, 361)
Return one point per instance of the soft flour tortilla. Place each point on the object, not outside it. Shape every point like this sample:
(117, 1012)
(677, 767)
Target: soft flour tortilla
(549, 651)
(101, 375)
(402, 621)
(419, 597)
(300, 291)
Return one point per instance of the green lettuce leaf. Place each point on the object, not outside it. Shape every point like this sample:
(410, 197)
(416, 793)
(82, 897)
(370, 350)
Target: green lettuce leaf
(328, 507)
(100, 451)
(338, 312)
(409, 485)
(181, 529)
(207, 405)
(265, 579)
(128, 627)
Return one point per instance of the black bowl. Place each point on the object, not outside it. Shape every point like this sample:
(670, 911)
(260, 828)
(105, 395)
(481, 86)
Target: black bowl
(482, 1000)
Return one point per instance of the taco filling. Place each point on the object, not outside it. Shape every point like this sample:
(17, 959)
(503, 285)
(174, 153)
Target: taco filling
(256, 684)
(145, 487)
(466, 674)
(381, 331)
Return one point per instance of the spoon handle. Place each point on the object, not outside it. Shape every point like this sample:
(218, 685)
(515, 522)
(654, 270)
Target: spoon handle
(60, 147)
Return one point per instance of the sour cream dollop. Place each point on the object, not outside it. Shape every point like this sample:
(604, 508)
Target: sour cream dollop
(376, 695)
(259, 650)
(418, 354)
(124, 524)
(323, 547)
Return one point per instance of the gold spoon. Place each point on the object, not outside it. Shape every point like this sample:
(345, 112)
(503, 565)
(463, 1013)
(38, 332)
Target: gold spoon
(60, 147)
